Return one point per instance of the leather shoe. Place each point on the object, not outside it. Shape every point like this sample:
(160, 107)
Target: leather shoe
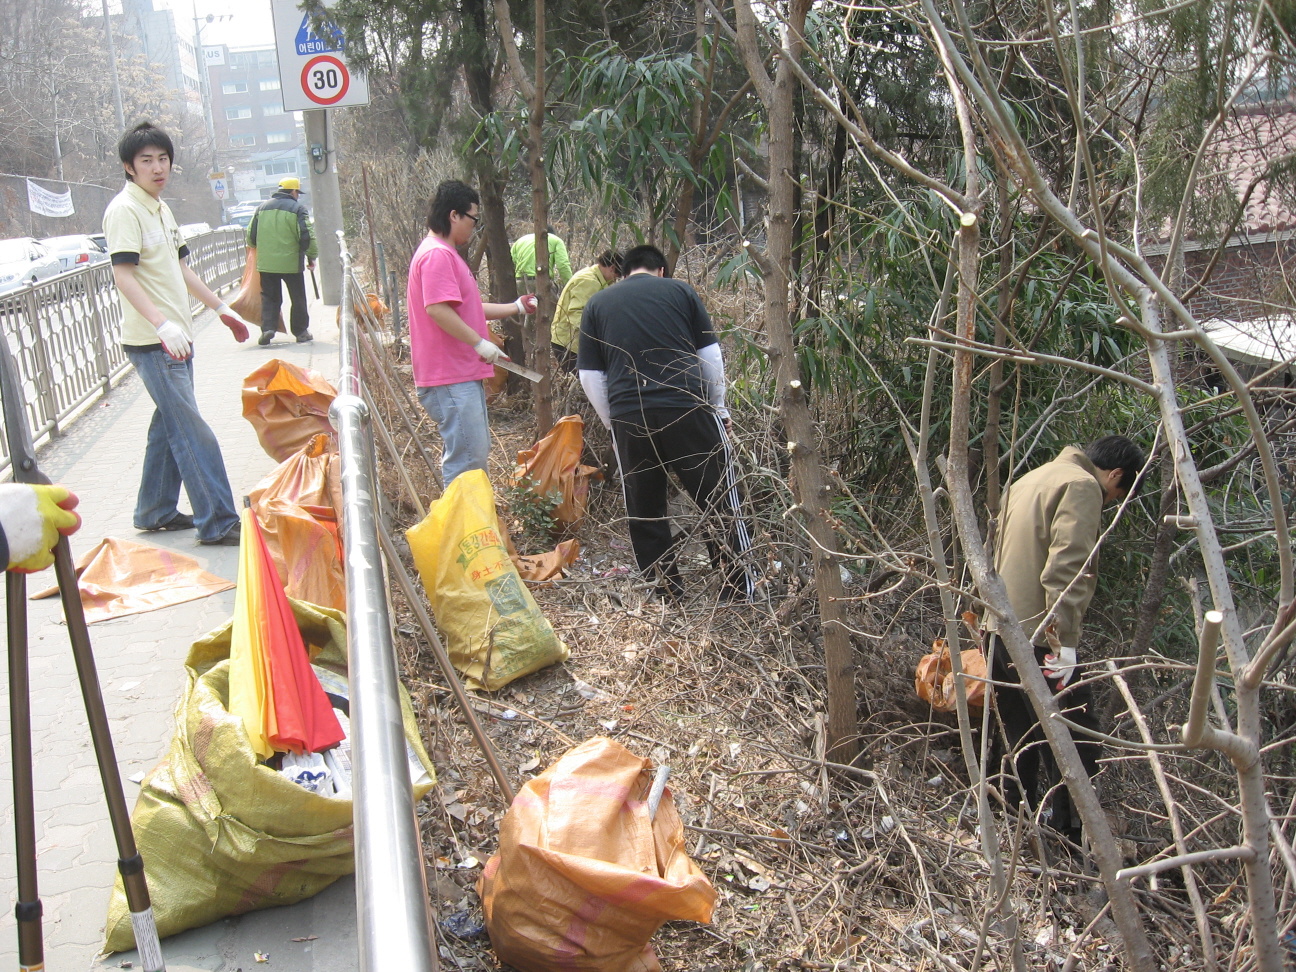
(265, 338)
(230, 538)
(181, 521)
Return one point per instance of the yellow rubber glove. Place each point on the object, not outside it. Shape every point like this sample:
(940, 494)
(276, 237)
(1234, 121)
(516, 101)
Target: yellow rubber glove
(32, 518)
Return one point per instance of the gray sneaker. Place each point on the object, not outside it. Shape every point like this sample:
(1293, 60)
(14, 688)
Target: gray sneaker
(304, 337)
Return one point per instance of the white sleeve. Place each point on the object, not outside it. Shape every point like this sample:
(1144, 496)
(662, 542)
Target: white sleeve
(713, 375)
(595, 385)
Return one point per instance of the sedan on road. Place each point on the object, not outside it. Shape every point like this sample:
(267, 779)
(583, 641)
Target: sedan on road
(75, 252)
(24, 260)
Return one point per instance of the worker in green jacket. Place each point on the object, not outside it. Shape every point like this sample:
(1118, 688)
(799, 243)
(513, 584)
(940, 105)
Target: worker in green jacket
(524, 262)
(285, 244)
(584, 284)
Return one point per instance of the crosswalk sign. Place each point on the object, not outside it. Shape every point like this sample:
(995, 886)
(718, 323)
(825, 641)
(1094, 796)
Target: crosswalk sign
(310, 43)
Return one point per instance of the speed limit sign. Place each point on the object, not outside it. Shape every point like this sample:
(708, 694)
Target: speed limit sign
(325, 79)
(313, 71)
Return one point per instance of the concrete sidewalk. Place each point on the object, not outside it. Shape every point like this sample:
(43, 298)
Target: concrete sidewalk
(140, 662)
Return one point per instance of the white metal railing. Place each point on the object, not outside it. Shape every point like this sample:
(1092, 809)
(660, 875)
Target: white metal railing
(65, 332)
(393, 922)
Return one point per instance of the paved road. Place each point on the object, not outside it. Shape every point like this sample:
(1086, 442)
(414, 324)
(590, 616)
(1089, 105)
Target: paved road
(140, 663)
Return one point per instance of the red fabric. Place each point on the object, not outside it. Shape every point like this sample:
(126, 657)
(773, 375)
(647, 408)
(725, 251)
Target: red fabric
(304, 718)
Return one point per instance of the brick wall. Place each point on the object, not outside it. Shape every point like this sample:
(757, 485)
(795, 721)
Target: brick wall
(1249, 280)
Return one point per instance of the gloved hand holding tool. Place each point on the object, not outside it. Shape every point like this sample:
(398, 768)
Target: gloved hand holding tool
(36, 516)
(489, 351)
(32, 518)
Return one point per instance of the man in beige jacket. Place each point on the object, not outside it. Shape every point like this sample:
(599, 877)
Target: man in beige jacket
(1045, 554)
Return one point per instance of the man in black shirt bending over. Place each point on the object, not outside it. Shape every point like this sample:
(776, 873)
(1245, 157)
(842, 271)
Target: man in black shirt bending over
(651, 366)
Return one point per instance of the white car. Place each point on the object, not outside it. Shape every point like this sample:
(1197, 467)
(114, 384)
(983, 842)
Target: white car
(23, 261)
(75, 252)
(190, 230)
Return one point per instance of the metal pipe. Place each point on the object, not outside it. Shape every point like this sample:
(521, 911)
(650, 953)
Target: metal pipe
(392, 911)
(27, 912)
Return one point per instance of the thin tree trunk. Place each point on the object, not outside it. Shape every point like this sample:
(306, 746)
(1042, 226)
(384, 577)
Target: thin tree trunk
(700, 120)
(542, 354)
(809, 482)
(490, 184)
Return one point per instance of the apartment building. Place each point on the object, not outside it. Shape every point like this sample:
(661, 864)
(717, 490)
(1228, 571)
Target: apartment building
(257, 142)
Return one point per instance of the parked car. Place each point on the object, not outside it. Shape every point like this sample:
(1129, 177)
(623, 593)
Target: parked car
(24, 260)
(100, 241)
(75, 252)
(241, 215)
(190, 230)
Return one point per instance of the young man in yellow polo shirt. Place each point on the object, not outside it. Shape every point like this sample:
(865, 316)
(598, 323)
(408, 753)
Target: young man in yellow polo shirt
(154, 282)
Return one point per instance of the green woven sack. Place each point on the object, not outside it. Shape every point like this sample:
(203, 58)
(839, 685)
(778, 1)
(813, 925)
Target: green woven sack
(222, 834)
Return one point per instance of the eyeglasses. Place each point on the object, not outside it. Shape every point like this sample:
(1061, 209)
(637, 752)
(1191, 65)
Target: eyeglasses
(475, 219)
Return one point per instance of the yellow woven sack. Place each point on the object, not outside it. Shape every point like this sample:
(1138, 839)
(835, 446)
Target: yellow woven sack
(222, 834)
(494, 629)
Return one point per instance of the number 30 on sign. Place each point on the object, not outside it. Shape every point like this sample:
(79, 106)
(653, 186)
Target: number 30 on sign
(325, 79)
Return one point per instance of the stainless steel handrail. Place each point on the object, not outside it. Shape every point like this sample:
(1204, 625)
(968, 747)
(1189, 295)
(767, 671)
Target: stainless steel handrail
(394, 925)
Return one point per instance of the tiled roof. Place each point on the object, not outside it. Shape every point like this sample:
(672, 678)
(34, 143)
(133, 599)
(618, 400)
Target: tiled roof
(1254, 136)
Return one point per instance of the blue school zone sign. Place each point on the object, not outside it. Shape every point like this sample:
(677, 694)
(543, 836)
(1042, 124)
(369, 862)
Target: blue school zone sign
(308, 42)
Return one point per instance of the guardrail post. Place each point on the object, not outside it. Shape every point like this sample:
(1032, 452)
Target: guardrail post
(44, 378)
(100, 332)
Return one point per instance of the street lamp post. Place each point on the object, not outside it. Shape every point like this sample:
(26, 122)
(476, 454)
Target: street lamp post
(112, 62)
(204, 82)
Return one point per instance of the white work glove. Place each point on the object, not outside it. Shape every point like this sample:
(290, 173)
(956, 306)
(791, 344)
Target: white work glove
(234, 321)
(32, 518)
(1060, 665)
(489, 351)
(173, 340)
(526, 304)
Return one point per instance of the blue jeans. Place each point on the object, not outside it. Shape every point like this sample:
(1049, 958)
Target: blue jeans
(182, 449)
(459, 410)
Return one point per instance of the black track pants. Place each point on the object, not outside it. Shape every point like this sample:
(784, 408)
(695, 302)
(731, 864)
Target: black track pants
(693, 444)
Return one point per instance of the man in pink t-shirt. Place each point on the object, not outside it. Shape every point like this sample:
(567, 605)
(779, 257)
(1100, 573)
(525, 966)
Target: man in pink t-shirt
(449, 338)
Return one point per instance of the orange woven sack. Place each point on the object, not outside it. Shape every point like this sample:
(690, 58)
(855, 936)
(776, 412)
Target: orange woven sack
(377, 309)
(553, 464)
(583, 877)
(288, 406)
(306, 551)
(297, 506)
(247, 301)
(934, 677)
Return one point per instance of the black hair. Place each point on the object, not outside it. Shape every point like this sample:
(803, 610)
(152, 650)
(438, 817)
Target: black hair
(452, 196)
(645, 257)
(142, 136)
(1118, 452)
(611, 258)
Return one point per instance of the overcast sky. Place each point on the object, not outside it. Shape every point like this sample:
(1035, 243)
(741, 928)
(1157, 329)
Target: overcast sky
(247, 23)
